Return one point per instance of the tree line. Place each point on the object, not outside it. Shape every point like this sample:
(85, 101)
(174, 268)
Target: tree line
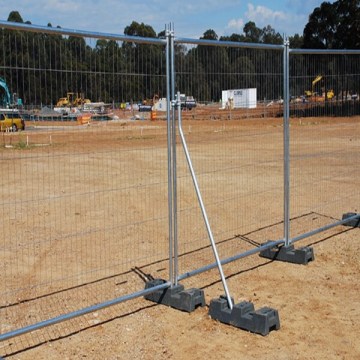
(41, 67)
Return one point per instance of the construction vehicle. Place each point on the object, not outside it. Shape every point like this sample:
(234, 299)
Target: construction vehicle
(72, 99)
(11, 120)
(314, 95)
(187, 102)
(6, 100)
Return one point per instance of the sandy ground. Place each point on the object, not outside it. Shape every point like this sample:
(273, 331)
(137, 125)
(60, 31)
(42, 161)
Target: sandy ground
(53, 250)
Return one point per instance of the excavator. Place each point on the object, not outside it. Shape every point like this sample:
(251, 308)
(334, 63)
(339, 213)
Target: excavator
(312, 94)
(6, 100)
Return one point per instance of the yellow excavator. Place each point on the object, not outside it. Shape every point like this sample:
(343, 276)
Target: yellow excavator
(329, 95)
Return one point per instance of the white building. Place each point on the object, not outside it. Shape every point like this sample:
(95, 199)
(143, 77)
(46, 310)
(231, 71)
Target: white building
(239, 98)
(161, 105)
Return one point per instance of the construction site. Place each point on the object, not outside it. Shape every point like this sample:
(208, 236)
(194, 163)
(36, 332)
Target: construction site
(242, 194)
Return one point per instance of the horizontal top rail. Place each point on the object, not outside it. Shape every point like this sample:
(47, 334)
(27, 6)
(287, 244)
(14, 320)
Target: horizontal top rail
(325, 51)
(79, 33)
(228, 44)
(139, 39)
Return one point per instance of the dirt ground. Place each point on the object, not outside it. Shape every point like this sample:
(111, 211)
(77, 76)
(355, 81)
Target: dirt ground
(318, 303)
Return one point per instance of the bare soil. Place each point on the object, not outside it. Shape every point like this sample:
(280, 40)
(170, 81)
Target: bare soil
(318, 303)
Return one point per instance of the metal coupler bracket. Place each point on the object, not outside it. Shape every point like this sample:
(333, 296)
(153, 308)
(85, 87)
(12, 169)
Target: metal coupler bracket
(289, 254)
(354, 222)
(176, 297)
(244, 316)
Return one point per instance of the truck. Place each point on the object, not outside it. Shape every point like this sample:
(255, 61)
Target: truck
(187, 102)
(160, 104)
(11, 120)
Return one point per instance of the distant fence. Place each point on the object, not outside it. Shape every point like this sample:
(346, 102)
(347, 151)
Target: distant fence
(93, 209)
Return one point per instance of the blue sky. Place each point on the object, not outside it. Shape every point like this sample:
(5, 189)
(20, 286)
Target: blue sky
(190, 18)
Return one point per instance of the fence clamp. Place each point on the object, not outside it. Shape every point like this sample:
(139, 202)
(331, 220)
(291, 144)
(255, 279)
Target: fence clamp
(244, 316)
(176, 297)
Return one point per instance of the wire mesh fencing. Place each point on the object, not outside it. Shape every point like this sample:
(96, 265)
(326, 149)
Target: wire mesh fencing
(84, 188)
(95, 188)
(324, 135)
(235, 141)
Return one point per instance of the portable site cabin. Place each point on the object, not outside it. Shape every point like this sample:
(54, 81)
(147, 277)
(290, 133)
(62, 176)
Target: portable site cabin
(239, 98)
(161, 105)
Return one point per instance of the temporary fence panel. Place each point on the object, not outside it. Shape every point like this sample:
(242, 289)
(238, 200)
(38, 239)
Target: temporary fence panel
(237, 153)
(324, 137)
(84, 195)
(97, 202)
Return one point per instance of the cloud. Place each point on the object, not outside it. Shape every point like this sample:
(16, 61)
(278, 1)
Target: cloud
(260, 15)
(283, 22)
(263, 16)
(235, 25)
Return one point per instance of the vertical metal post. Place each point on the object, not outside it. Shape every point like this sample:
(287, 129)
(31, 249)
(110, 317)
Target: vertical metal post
(174, 164)
(286, 145)
(169, 150)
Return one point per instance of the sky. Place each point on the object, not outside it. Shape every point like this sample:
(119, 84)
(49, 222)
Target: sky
(188, 18)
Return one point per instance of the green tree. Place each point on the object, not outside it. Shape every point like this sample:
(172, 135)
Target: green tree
(145, 63)
(348, 31)
(15, 16)
(252, 32)
(268, 35)
(233, 37)
(296, 41)
(334, 26)
(209, 35)
(136, 29)
(214, 62)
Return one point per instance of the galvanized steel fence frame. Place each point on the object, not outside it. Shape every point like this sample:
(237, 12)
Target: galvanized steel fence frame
(351, 217)
(174, 127)
(288, 240)
(136, 294)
